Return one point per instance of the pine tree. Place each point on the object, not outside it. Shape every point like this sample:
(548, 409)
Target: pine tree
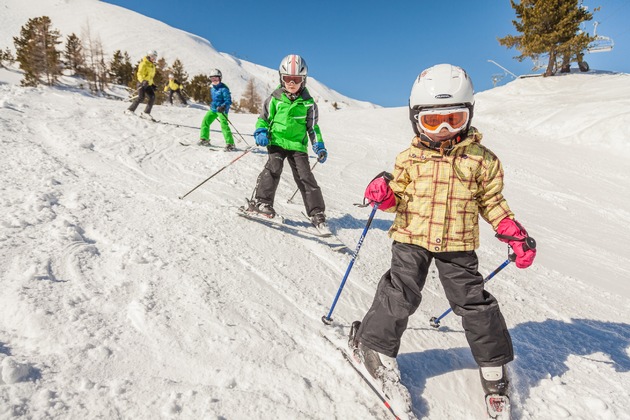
(73, 54)
(160, 79)
(36, 51)
(548, 27)
(199, 88)
(120, 68)
(250, 101)
(6, 56)
(179, 72)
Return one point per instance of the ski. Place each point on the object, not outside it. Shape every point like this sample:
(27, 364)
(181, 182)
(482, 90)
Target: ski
(148, 117)
(323, 231)
(389, 406)
(297, 228)
(498, 406)
(209, 146)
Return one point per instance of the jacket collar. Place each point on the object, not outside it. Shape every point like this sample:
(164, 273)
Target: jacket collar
(446, 147)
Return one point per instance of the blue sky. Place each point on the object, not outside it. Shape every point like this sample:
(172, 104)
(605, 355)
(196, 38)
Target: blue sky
(373, 51)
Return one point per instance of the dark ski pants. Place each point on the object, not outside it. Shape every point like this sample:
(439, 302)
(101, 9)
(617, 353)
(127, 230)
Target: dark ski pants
(142, 90)
(399, 294)
(298, 161)
(179, 94)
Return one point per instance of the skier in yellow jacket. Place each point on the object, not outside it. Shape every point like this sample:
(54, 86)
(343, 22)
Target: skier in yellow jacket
(173, 86)
(145, 75)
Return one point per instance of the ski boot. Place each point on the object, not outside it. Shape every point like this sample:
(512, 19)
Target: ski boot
(262, 209)
(147, 116)
(229, 148)
(495, 383)
(384, 370)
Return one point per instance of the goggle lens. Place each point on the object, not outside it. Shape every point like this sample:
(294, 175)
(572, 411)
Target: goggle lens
(295, 79)
(433, 121)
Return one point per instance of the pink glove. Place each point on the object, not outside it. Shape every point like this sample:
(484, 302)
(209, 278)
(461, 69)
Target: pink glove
(378, 191)
(511, 232)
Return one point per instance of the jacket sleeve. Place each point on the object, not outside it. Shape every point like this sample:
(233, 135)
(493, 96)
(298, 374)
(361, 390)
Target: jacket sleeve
(265, 118)
(227, 98)
(142, 72)
(400, 180)
(312, 127)
(492, 205)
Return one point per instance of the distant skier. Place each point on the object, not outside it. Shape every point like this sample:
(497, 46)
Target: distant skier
(145, 75)
(174, 86)
(286, 125)
(219, 108)
(440, 186)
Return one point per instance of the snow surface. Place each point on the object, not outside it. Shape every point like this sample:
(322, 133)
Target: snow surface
(118, 300)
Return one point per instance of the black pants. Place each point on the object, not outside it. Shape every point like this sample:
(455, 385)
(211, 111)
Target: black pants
(399, 294)
(298, 161)
(142, 90)
(179, 94)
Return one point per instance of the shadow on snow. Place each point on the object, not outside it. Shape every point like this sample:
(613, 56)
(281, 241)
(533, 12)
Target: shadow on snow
(541, 348)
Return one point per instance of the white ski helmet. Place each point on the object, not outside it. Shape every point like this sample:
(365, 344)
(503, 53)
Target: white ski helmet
(440, 86)
(152, 53)
(215, 73)
(293, 65)
(171, 76)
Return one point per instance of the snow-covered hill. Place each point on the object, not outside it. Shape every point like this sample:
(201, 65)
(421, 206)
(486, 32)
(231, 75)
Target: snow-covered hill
(121, 29)
(118, 300)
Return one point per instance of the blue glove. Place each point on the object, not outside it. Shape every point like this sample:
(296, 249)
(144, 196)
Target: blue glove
(320, 150)
(261, 137)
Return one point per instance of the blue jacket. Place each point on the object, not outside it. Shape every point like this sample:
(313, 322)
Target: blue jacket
(220, 96)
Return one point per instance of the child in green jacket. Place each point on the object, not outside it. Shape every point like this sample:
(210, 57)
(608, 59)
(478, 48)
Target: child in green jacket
(286, 125)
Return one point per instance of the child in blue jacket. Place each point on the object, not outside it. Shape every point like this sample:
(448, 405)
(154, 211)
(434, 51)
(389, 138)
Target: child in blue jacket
(221, 101)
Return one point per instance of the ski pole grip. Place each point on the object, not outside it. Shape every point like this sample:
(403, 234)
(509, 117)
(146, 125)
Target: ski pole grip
(530, 243)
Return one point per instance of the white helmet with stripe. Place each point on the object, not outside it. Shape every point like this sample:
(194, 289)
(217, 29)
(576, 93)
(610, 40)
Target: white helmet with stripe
(293, 65)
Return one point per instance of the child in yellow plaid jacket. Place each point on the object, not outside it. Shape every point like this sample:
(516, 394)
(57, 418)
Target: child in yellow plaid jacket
(440, 186)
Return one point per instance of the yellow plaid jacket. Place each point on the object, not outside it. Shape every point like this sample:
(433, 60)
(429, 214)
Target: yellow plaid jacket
(440, 196)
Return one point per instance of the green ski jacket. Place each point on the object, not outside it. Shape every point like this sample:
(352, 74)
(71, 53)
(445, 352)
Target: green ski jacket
(291, 124)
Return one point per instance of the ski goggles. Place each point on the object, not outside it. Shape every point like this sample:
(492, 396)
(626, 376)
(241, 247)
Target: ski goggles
(295, 79)
(433, 120)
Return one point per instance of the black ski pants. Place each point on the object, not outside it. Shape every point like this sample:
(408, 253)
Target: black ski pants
(179, 94)
(399, 293)
(143, 89)
(270, 177)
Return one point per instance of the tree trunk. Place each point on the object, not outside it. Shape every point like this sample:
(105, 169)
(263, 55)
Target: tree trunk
(552, 64)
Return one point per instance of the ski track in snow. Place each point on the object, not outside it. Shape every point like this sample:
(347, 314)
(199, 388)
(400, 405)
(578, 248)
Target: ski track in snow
(121, 301)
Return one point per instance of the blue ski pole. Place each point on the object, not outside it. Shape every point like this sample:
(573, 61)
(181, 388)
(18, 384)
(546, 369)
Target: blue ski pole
(326, 319)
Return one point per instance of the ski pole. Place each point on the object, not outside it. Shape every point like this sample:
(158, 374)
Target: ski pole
(528, 243)
(237, 132)
(435, 321)
(297, 189)
(326, 319)
(249, 149)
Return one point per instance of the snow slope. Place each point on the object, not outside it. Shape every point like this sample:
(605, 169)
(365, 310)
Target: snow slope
(119, 300)
(118, 28)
